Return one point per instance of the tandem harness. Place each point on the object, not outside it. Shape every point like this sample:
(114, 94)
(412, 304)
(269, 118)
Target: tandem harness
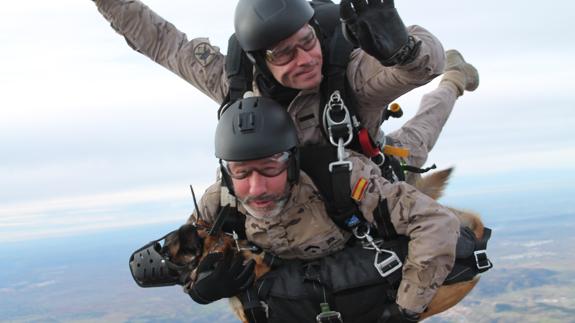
(341, 123)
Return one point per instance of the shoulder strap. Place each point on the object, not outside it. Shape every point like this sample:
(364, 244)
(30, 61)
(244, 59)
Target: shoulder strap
(239, 71)
(334, 186)
(337, 52)
(326, 13)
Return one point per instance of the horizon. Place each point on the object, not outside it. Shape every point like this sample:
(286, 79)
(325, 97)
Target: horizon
(99, 146)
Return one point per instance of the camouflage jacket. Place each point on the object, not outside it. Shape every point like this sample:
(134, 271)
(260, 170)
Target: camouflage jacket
(304, 230)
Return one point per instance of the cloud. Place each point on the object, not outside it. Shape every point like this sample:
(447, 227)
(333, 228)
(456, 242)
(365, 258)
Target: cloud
(92, 213)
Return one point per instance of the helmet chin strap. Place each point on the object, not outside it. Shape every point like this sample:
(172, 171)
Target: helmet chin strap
(227, 180)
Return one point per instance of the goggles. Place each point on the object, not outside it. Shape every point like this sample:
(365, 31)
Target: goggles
(283, 55)
(268, 167)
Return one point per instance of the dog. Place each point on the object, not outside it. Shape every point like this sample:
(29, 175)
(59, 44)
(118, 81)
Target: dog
(192, 242)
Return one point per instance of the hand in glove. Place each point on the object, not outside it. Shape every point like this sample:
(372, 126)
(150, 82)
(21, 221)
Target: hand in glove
(395, 314)
(375, 26)
(221, 275)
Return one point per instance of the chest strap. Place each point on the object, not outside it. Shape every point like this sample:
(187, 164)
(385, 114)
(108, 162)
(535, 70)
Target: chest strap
(332, 182)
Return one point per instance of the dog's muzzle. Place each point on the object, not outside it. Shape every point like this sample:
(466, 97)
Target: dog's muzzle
(151, 268)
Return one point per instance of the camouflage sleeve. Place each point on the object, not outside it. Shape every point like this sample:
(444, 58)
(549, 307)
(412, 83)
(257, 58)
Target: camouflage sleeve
(196, 61)
(377, 85)
(433, 231)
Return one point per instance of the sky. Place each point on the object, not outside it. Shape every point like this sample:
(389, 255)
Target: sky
(94, 136)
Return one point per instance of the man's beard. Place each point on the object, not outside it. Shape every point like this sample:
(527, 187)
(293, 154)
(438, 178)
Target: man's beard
(272, 210)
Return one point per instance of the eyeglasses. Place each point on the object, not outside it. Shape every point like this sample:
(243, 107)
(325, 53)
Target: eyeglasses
(268, 167)
(283, 55)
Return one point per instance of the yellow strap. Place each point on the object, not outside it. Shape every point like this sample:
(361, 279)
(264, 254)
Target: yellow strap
(396, 151)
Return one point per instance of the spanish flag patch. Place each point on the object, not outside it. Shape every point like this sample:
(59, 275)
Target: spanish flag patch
(359, 189)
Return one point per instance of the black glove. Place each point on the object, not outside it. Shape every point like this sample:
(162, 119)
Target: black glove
(395, 314)
(375, 26)
(221, 275)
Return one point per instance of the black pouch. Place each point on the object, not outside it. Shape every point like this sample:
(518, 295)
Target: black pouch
(347, 280)
(471, 257)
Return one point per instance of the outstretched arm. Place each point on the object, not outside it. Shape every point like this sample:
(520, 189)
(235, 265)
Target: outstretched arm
(196, 60)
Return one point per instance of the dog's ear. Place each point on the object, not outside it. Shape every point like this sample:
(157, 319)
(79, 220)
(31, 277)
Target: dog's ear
(183, 245)
(190, 241)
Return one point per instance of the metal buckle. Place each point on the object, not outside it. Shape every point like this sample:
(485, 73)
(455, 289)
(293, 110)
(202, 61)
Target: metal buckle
(327, 317)
(336, 102)
(483, 254)
(379, 160)
(341, 156)
(339, 163)
(388, 265)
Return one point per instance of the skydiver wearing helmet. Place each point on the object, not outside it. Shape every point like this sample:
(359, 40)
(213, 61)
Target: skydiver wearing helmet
(285, 215)
(290, 44)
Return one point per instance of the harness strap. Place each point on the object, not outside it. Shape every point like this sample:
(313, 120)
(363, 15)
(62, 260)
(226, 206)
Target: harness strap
(239, 71)
(336, 80)
(335, 72)
(471, 257)
(254, 309)
(482, 262)
(347, 214)
(382, 218)
(335, 186)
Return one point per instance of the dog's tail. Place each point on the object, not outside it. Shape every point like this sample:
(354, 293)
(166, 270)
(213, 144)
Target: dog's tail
(434, 184)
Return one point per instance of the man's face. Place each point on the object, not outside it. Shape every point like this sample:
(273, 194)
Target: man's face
(296, 61)
(261, 185)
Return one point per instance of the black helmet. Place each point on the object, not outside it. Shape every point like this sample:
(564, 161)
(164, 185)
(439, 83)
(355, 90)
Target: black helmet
(254, 128)
(260, 24)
